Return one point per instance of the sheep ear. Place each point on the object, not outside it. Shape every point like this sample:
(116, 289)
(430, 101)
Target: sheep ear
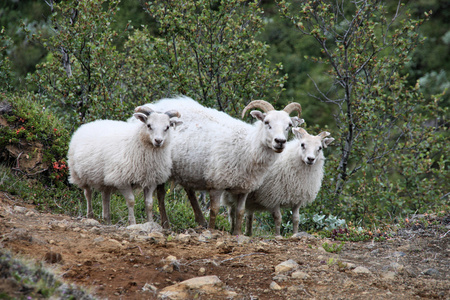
(327, 141)
(141, 117)
(299, 132)
(175, 123)
(296, 121)
(258, 115)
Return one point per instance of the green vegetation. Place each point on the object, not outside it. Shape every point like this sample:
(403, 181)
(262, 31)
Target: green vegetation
(35, 281)
(366, 73)
(333, 247)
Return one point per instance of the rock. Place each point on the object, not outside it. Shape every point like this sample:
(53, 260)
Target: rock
(243, 239)
(52, 257)
(361, 270)
(90, 222)
(99, 240)
(398, 254)
(156, 237)
(182, 237)
(115, 242)
(397, 267)
(210, 285)
(20, 209)
(146, 227)
(149, 287)
(431, 272)
(299, 275)
(300, 235)
(280, 278)
(274, 286)
(286, 266)
(201, 271)
(388, 275)
(170, 259)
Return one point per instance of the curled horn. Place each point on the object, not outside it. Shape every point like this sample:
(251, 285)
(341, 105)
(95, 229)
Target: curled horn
(294, 106)
(173, 113)
(324, 134)
(143, 109)
(261, 104)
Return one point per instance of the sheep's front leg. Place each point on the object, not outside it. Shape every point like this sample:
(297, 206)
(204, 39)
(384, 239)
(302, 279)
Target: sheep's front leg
(106, 206)
(214, 196)
(249, 228)
(148, 196)
(88, 196)
(161, 195)
(199, 218)
(276, 214)
(129, 197)
(240, 212)
(295, 218)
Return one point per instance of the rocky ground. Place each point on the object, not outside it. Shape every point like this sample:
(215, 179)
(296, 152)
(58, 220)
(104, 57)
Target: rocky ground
(148, 263)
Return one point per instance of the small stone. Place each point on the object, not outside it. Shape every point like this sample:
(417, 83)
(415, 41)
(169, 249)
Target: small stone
(286, 266)
(30, 214)
(115, 242)
(397, 267)
(388, 275)
(20, 209)
(149, 287)
(431, 272)
(182, 237)
(146, 227)
(274, 286)
(399, 254)
(361, 270)
(98, 240)
(243, 239)
(90, 222)
(299, 275)
(77, 229)
(170, 259)
(199, 282)
(300, 235)
(201, 271)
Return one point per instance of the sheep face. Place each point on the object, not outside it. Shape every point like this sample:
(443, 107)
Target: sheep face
(311, 147)
(157, 126)
(276, 127)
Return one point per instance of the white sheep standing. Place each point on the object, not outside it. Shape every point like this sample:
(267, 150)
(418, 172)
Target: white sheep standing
(216, 152)
(114, 155)
(292, 181)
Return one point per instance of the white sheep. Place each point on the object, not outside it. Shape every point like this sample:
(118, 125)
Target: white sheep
(292, 181)
(216, 152)
(113, 155)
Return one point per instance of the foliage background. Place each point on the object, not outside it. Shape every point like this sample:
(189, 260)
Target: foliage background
(85, 60)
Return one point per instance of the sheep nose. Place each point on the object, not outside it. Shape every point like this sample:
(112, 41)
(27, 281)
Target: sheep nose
(158, 141)
(310, 160)
(280, 141)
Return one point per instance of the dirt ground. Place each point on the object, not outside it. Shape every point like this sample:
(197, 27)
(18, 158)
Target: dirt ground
(117, 263)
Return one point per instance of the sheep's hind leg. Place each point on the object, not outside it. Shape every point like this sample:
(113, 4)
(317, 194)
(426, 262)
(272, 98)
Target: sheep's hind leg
(88, 195)
(199, 218)
(240, 212)
(161, 194)
(129, 197)
(214, 208)
(106, 206)
(249, 224)
(295, 218)
(276, 214)
(148, 195)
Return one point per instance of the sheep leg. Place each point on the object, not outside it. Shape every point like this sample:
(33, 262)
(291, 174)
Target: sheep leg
(249, 228)
(240, 212)
(215, 205)
(88, 196)
(148, 196)
(199, 218)
(232, 216)
(295, 218)
(129, 197)
(161, 194)
(106, 206)
(276, 214)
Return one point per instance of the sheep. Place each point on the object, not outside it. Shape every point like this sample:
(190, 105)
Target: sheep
(216, 152)
(114, 155)
(292, 181)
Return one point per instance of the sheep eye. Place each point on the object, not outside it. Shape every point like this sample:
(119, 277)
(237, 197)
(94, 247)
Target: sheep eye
(167, 128)
(149, 126)
(320, 148)
(268, 125)
(303, 145)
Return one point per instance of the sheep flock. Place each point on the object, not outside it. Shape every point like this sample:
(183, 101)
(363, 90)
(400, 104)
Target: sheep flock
(248, 167)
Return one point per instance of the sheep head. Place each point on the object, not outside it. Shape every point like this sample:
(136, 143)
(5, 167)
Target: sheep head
(157, 124)
(276, 123)
(311, 146)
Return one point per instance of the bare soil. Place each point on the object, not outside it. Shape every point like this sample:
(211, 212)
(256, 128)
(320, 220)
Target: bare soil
(115, 263)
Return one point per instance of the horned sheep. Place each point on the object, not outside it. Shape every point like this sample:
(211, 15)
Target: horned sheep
(216, 152)
(292, 181)
(113, 155)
